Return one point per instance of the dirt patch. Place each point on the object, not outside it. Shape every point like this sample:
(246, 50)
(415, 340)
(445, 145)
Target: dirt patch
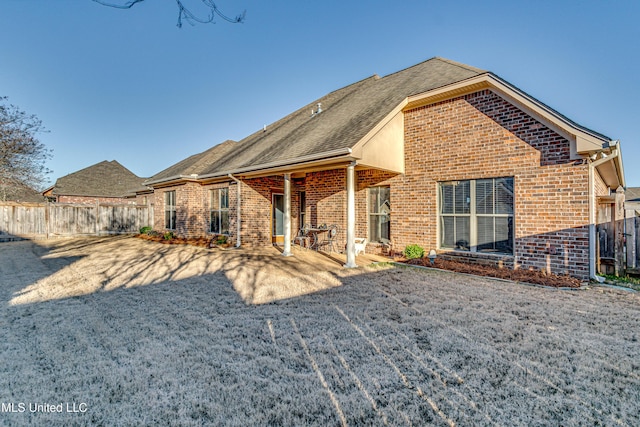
(536, 277)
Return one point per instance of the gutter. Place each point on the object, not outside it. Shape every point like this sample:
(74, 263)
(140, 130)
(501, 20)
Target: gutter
(238, 205)
(592, 212)
(192, 177)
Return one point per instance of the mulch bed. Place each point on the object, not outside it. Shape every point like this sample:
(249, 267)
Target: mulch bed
(529, 276)
(204, 242)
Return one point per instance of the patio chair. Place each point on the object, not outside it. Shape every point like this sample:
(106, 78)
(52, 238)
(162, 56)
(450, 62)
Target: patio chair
(303, 239)
(330, 238)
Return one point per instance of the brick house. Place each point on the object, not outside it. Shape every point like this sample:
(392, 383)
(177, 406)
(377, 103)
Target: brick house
(441, 154)
(104, 182)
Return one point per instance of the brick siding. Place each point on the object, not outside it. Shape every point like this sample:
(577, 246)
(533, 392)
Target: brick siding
(88, 200)
(481, 135)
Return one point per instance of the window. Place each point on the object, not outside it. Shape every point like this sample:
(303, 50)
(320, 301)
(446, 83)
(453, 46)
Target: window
(477, 215)
(219, 217)
(379, 214)
(170, 210)
(303, 208)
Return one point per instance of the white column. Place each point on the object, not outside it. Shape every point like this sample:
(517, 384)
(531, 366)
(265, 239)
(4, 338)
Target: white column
(351, 216)
(287, 215)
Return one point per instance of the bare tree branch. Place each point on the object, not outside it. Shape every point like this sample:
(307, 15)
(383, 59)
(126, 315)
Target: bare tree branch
(185, 13)
(22, 156)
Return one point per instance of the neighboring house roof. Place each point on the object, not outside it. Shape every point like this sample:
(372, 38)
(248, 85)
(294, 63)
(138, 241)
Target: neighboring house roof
(632, 194)
(350, 116)
(104, 179)
(24, 193)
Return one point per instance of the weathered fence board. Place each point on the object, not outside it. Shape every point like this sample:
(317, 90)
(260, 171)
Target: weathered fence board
(632, 237)
(43, 220)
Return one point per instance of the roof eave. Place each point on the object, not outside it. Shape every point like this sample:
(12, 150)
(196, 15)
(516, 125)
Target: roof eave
(171, 180)
(282, 164)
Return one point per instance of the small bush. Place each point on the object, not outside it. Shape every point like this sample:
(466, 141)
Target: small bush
(221, 239)
(413, 252)
(168, 235)
(145, 230)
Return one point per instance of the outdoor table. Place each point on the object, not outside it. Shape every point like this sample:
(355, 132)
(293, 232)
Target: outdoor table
(314, 234)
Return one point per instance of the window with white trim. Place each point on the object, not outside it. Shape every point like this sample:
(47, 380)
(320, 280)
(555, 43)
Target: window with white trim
(477, 215)
(379, 214)
(219, 214)
(170, 210)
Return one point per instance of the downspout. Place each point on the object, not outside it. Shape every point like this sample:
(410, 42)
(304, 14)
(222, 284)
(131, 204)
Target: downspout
(238, 205)
(592, 214)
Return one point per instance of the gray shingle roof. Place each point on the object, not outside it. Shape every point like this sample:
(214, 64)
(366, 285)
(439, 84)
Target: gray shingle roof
(104, 179)
(24, 194)
(196, 163)
(348, 114)
(632, 194)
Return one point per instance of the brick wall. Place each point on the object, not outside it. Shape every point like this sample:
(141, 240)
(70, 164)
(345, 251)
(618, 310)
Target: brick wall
(256, 209)
(482, 136)
(87, 200)
(190, 210)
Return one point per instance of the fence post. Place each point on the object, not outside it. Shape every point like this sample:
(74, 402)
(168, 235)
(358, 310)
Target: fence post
(97, 218)
(618, 230)
(47, 218)
(636, 230)
(630, 234)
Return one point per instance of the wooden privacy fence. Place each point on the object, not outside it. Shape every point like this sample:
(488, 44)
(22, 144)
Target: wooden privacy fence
(632, 237)
(44, 220)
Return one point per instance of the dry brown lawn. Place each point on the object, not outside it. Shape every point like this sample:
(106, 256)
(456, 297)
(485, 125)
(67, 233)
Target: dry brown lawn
(136, 333)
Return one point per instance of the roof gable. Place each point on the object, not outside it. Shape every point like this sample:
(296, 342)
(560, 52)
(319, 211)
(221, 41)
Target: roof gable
(104, 179)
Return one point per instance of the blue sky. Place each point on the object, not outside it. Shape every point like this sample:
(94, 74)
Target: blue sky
(128, 85)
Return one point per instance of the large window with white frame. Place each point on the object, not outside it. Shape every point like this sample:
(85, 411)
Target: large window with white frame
(170, 210)
(379, 214)
(477, 215)
(219, 213)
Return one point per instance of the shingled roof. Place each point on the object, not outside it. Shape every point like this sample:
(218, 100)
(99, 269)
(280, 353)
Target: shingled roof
(632, 194)
(197, 163)
(104, 179)
(24, 194)
(348, 114)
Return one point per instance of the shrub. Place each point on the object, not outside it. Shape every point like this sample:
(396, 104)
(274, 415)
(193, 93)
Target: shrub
(413, 252)
(168, 235)
(145, 230)
(221, 239)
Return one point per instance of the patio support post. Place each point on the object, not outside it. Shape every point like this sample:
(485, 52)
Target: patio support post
(287, 215)
(351, 216)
